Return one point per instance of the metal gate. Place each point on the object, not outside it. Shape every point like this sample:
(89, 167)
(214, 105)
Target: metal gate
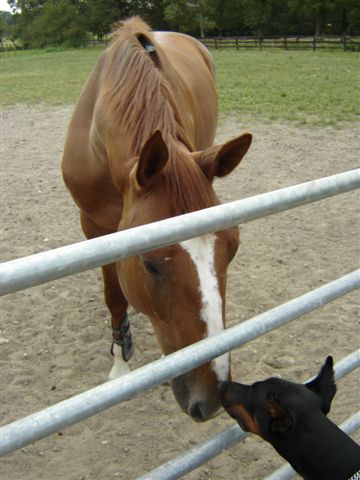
(46, 266)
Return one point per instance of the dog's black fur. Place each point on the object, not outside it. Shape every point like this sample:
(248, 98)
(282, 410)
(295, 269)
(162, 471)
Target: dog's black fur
(292, 417)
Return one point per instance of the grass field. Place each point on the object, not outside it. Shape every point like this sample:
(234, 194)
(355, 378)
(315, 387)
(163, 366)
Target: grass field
(318, 88)
(52, 77)
(312, 88)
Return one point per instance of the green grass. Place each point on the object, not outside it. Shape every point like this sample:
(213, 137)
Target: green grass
(52, 77)
(318, 88)
(315, 88)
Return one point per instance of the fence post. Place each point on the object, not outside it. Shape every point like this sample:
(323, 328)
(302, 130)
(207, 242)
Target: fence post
(216, 43)
(344, 42)
(237, 43)
(260, 41)
(285, 43)
(314, 43)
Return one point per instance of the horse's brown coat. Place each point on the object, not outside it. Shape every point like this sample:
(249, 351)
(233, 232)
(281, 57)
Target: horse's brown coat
(139, 150)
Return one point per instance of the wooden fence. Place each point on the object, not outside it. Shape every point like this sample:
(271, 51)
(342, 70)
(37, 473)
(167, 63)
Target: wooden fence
(346, 43)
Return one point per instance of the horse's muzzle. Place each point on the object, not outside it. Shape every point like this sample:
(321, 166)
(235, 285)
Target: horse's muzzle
(200, 402)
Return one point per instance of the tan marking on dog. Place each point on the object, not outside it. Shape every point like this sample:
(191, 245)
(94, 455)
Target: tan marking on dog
(238, 411)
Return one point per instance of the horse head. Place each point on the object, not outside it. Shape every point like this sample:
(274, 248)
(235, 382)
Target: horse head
(181, 288)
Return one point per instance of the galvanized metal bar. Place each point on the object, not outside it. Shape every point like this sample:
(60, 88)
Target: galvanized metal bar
(286, 472)
(47, 266)
(347, 365)
(86, 404)
(202, 453)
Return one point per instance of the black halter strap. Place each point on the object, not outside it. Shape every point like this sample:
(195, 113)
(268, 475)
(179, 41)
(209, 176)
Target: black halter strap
(122, 337)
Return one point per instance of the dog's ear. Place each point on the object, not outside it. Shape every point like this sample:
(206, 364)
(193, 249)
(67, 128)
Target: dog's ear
(323, 385)
(281, 421)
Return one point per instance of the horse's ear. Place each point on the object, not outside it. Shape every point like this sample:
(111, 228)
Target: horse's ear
(220, 160)
(152, 160)
(323, 385)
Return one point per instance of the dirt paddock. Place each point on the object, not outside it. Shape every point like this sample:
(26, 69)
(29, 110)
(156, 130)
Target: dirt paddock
(55, 338)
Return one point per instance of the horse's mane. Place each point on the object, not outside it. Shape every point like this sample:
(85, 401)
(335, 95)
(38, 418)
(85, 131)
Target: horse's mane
(140, 99)
(137, 92)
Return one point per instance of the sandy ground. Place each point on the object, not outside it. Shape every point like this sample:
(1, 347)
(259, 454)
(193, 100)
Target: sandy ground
(55, 338)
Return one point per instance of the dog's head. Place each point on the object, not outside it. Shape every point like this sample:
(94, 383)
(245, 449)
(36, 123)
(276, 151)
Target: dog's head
(272, 408)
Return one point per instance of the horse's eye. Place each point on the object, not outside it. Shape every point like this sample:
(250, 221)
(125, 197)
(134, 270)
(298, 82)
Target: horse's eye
(151, 268)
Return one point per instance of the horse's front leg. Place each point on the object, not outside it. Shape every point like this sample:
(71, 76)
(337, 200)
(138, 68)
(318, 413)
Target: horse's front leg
(122, 347)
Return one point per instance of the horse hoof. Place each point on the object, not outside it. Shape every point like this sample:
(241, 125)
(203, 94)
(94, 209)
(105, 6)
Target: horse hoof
(119, 370)
(120, 367)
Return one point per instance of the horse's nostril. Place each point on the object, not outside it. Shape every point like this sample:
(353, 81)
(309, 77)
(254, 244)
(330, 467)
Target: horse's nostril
(195, 411)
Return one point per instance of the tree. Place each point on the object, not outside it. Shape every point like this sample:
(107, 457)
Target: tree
(316, 10)
(55, 22)
(230, 17)
(153, 13)
(265, 17)
(189, 15)
(6, 22)
(202, 10)
(2, 30)
(344, 17)
(101, 14)
(58, 23)
(25, 11)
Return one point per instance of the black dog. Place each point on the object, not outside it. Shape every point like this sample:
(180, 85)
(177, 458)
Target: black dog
(292, 417)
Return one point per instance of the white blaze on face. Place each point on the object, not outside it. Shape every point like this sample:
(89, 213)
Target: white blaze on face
(202, 253)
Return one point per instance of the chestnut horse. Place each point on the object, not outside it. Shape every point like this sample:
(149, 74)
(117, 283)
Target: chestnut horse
(139, 149)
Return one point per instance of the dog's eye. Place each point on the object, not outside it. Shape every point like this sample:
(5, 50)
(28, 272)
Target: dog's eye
(151, 267)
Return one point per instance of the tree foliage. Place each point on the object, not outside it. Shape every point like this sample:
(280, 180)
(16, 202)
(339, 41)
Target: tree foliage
(59, 23)
(39, 23)
(196, 16)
